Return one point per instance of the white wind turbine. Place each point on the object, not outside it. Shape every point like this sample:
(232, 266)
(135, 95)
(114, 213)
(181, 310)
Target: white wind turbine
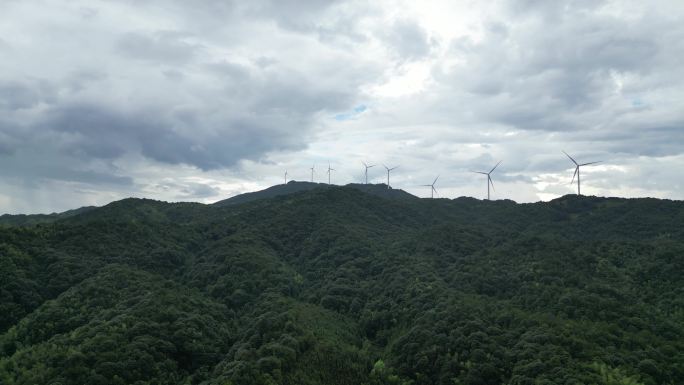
(329, 172)
(388, 172)
(577, 170)
(489, 177)
(367, 167)
(433, 190)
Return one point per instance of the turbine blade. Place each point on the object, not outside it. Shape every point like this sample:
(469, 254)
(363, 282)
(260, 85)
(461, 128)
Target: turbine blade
(480, 172)
(497, 165)
(575, 174)
(372, 165)
(435, 181)
(573, 161)
(434, 189)
(490, 181)
(383, 165)
(364, 163)
(586, 164)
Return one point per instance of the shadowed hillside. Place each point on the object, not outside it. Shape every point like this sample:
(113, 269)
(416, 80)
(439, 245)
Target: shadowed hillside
(316, 284)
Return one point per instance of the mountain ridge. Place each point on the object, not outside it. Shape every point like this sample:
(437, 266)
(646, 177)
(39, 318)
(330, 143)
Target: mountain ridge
(297, 186)
(335, 285)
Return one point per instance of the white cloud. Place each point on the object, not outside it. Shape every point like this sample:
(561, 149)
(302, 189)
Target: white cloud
(178, 101)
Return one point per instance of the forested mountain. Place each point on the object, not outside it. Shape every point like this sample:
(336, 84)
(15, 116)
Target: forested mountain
(32, 219)
(296, 186)
(336, 285)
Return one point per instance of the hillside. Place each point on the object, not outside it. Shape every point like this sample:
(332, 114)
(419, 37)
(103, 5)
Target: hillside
(338, 285)
(33, 219)
(295, 186)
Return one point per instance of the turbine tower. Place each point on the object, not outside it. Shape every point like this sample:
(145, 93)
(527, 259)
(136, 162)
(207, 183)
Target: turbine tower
(285, 176)
(367, 167)
(388, 172)
(433, 190)
(329, 172)
(312, 172)
(489, 177)
(577, 171)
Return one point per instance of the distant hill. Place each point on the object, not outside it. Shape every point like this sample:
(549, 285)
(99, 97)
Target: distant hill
(294, 187)
(346, 285)
(28, 220)
(273, 191)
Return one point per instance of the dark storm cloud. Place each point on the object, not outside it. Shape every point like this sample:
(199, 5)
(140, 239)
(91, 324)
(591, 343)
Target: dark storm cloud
(176, 94)
(39, 160)
(97, 132)
(92, 131)
(15, 95)
(6, 145)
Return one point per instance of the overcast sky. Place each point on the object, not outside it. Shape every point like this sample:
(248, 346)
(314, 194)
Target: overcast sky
(202, 100)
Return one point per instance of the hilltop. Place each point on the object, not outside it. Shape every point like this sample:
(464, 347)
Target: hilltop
(343, 285)
(295, 186)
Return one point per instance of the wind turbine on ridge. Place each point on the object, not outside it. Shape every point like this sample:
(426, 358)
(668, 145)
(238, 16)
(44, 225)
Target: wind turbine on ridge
(329, 171)
(388, 172)
(489, 177)
(367, 167)
(433, 190)
(312, 172)
(577, 171)
(285, 176)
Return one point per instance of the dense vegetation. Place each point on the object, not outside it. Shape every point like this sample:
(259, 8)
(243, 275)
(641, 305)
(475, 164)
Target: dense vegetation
(339, 286)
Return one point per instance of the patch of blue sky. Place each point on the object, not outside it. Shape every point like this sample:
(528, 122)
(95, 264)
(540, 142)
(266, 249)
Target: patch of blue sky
(353, 114)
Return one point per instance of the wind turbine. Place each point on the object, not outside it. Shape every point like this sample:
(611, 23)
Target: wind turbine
(433, 190)
(312, 172)
(367, 167)
(329, 169)
(577, 171)
(489, 177)
(388, 171)
(285, 176)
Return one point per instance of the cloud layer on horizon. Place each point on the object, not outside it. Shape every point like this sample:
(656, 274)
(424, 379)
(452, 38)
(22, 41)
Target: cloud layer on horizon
(102, 100)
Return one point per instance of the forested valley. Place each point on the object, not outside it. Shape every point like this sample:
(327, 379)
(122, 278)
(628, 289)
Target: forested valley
(348, 286)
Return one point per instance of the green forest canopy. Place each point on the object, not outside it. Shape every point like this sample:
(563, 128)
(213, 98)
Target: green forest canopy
(340, 285)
